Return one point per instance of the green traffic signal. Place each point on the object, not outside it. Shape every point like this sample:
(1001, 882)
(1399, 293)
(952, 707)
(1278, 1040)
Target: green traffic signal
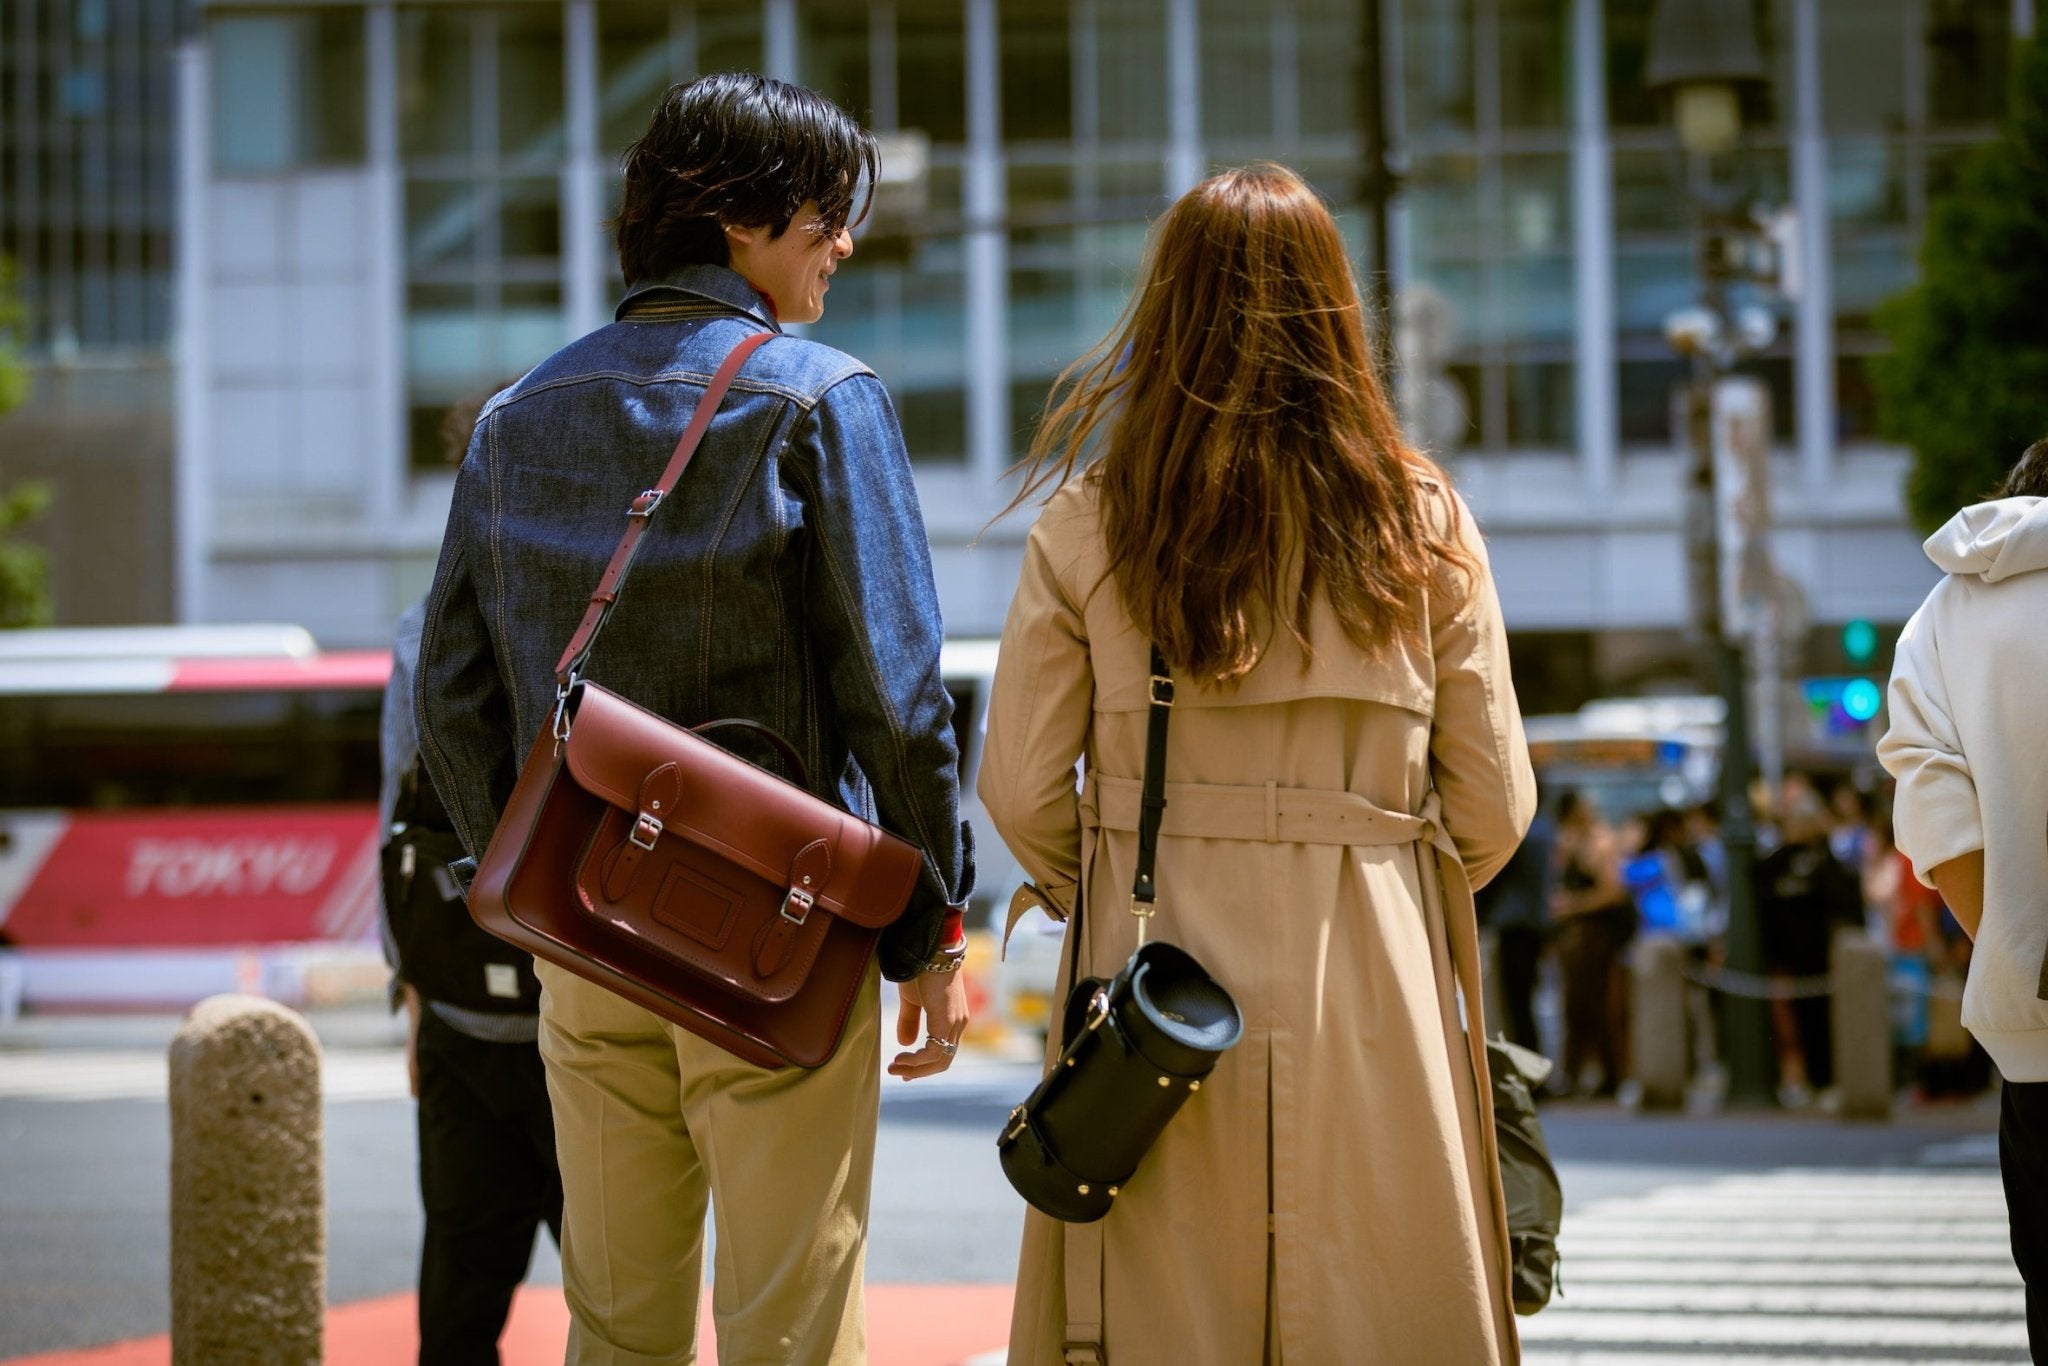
(1859, 642)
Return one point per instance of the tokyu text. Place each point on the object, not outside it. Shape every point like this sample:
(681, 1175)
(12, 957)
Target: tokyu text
(230, 867)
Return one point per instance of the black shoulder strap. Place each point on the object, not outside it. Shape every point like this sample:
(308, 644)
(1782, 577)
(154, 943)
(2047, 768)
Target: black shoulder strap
(1152, 795)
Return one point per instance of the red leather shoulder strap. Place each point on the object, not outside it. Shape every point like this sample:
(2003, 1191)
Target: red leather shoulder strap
(642, 511)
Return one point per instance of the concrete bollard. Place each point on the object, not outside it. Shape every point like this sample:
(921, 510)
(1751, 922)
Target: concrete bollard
(1657, 1021)
(1861, 1016)
(248, 1203)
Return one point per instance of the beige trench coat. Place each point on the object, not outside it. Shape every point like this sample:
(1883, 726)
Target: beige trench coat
(1332, 1194)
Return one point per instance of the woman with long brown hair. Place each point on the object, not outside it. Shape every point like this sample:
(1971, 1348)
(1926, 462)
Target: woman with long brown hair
(1345, 761)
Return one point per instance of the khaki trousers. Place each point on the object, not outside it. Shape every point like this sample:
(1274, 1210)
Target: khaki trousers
(652, 1124)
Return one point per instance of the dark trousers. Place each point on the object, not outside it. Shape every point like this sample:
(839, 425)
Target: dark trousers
(2023, 1162)
(1595, 994)
(488, 1180)
(1520, 949)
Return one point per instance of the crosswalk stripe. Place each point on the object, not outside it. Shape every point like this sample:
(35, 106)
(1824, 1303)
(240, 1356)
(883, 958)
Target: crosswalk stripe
(1769, 1330)
(1693, 1271)
(1796, 1266)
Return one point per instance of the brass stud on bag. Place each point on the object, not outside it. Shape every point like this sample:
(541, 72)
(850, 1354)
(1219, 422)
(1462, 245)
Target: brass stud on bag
(1084, 1190)
(1194, 1086)
(1166, 1081)
(1113, 1190)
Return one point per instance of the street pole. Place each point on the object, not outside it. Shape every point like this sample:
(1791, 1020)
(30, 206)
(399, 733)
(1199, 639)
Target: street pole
(1745, 1023)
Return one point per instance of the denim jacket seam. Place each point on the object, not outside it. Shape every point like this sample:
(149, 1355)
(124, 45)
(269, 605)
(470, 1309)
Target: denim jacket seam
(500, 647)
(710, 572)
(880, 685)
(428, 741)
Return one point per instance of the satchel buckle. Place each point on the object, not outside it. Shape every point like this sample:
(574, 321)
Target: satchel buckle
(1016, 1125)
(646, 830)
(799, 900)
(1160, 690)
(646, 503)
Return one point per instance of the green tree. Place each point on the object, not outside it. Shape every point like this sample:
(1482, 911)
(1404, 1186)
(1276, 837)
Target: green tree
(24, 569)
(1966, 382)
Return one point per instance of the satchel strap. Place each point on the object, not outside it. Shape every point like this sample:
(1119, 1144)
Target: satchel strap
(642, 512)
(1152, 797)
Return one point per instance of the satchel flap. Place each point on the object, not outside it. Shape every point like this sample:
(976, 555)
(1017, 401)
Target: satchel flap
(861, 873)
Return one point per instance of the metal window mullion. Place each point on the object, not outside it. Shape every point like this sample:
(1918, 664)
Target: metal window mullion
(385, 267)
(882, 97)
(1184, 96)
(1813, 325)
(132, 189)
(1286, 61)
(486, 168)
(682, 39)
(1596, 381)
(779, 39)
(582, 259)
(1493, 397)
(986, 251)
(61, 221)
(191, 472)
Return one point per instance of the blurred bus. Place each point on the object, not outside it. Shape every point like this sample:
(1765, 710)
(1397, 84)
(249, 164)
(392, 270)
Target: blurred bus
(186, 810)
(173, 797)
(1631, 754)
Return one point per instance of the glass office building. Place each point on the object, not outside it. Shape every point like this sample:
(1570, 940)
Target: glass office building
(398, 205)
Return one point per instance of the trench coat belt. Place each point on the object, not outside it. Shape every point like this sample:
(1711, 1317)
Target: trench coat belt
(1297, 815)
(1267, 813)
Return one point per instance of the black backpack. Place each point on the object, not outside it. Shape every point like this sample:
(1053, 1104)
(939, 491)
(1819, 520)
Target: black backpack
(1535, 1200)
(442, 953)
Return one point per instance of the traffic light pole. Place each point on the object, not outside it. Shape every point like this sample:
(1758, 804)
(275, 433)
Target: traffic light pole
(1745, 1020)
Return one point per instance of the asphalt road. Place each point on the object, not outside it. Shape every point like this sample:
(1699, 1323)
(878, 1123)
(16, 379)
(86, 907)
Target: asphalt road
(85, 1151)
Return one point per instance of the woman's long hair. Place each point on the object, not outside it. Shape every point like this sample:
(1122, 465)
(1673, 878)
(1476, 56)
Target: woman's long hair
(1249, 458)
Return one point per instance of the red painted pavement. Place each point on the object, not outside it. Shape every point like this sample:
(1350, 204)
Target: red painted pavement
(908, 1325)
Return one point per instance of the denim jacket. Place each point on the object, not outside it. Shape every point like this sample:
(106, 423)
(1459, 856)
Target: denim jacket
(786, 579)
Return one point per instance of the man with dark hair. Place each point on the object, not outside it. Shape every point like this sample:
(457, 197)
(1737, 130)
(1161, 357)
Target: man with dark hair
(1969, 749)
(786, 580)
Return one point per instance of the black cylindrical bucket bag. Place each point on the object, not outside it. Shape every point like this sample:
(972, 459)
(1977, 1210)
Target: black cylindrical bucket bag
(1135, 1047)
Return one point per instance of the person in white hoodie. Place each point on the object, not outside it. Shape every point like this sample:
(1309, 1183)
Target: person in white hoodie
(1969, 746)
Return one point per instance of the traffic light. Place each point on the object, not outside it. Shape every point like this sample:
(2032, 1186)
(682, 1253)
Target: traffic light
(1842, 706)
(1859, 642)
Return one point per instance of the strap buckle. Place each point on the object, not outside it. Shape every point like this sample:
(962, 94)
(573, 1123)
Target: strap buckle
(646, 830)
(1098, 1009)
(646, 503)
(1016, 1125)
(1160, 691)
(802, 901)
(1084, 1354)
(559, 727)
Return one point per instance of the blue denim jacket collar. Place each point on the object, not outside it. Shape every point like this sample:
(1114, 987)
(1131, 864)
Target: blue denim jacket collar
(718, 284)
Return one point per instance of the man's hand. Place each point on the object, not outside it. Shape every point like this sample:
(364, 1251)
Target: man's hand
(412, 1039)
(933, 1005)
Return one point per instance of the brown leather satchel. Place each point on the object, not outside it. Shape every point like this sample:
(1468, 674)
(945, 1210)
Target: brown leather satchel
(641, 856)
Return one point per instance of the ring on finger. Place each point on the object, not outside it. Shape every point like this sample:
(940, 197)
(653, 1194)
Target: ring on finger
(945, 1046)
